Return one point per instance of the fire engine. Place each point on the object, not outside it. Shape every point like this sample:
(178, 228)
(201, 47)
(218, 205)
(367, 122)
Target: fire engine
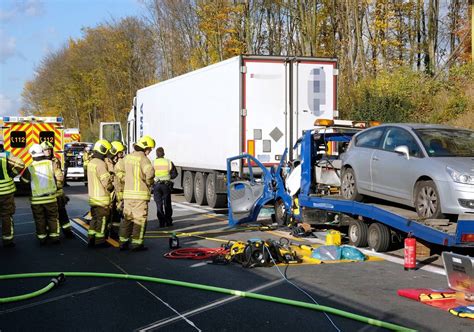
(21, 132)
(71, 135)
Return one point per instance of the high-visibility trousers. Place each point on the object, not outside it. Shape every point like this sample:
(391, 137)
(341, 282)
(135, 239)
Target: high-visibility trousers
(46, 218)
(63, 216)
(133, 225)
(98, 224)
(7, 210)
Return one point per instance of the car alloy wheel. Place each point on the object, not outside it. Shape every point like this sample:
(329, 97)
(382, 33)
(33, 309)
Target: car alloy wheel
(427, 200)
(349, 185)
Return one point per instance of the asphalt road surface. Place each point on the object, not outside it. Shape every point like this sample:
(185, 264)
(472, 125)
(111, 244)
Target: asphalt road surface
(96, 304)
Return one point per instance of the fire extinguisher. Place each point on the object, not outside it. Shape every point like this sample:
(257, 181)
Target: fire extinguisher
(410, 253)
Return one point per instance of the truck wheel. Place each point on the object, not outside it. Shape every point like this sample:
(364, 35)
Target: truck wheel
(349, 185)
(427, 201)
(358, 233)
(214, 200)
(188, 186)
(200, 188)
(379, 237)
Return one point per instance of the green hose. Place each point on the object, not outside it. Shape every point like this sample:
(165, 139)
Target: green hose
(280, 300)
(53, 283)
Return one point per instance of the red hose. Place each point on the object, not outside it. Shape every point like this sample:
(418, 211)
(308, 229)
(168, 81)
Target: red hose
(195, 253)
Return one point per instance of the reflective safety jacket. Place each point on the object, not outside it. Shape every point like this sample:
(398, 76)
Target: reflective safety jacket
(42, 178)
(59, 175)
(10, 166)
(119, 178)
(99, 183)
(110, 168)
(139, 176)
(162, 168)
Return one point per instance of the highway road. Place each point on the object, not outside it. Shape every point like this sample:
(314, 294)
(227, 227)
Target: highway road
(86, 304)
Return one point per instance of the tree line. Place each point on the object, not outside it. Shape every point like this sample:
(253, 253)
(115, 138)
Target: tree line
(399, 60)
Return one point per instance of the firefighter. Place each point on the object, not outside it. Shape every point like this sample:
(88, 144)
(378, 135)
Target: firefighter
(109, 161)
(116, 154)
(99, 186)
(61, 197)
(44, 181)
(10, 166)
(119, 183)
(86, 157)
(162, 188)
(139, 177)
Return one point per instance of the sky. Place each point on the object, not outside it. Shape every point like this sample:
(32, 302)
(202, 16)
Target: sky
(31, 29)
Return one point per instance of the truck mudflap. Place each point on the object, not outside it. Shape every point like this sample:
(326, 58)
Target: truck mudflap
(247, 194)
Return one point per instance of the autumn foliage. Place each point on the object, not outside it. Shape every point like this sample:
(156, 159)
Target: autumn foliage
(399, 60)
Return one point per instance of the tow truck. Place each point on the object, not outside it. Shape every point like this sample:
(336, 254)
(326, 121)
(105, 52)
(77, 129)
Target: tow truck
(311, 193)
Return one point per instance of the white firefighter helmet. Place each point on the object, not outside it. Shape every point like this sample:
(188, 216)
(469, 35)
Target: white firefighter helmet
(36, 151)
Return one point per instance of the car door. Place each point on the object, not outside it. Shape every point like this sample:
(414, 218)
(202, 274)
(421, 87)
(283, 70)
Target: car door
(393, 174)
(247, 193)
(365, 144)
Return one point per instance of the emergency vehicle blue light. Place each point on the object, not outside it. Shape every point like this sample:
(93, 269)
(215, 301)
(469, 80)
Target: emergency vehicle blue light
(59, 119)
(6, 118)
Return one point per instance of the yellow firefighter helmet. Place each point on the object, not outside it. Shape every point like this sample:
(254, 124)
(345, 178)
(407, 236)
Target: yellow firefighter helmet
(117, 147)
(102, 146)
(146, 142)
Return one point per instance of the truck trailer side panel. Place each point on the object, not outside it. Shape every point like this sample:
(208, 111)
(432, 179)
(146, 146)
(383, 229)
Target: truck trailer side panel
(247, 104)
(194, 117)
(315, 91)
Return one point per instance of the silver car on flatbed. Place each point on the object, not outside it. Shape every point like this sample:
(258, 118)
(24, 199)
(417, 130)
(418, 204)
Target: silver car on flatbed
(428, 167)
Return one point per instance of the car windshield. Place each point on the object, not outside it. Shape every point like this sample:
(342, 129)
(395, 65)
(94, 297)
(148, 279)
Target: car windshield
(447, 142)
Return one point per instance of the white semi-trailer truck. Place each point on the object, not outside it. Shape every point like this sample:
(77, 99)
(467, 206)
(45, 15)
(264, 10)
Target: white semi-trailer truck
(247, 104)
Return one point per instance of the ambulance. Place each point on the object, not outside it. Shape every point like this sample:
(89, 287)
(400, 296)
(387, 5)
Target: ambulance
(21, 132)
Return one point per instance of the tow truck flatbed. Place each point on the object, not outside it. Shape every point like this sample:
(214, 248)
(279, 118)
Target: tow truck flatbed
(373, 223)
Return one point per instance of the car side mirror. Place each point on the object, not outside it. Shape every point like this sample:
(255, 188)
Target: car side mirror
(403, 150)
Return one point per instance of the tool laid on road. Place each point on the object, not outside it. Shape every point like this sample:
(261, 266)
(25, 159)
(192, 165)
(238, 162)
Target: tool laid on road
(195, 253)
(254, 253)
(458, 299)
(174, 241)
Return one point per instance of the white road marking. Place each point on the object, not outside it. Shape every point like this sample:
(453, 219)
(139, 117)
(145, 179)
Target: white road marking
(170, 307)
(199, 264)
(198, 209)
(53, 299)
(78, 228)
(212, 305)
(184, 229)
(156, 296)
(400, 261)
